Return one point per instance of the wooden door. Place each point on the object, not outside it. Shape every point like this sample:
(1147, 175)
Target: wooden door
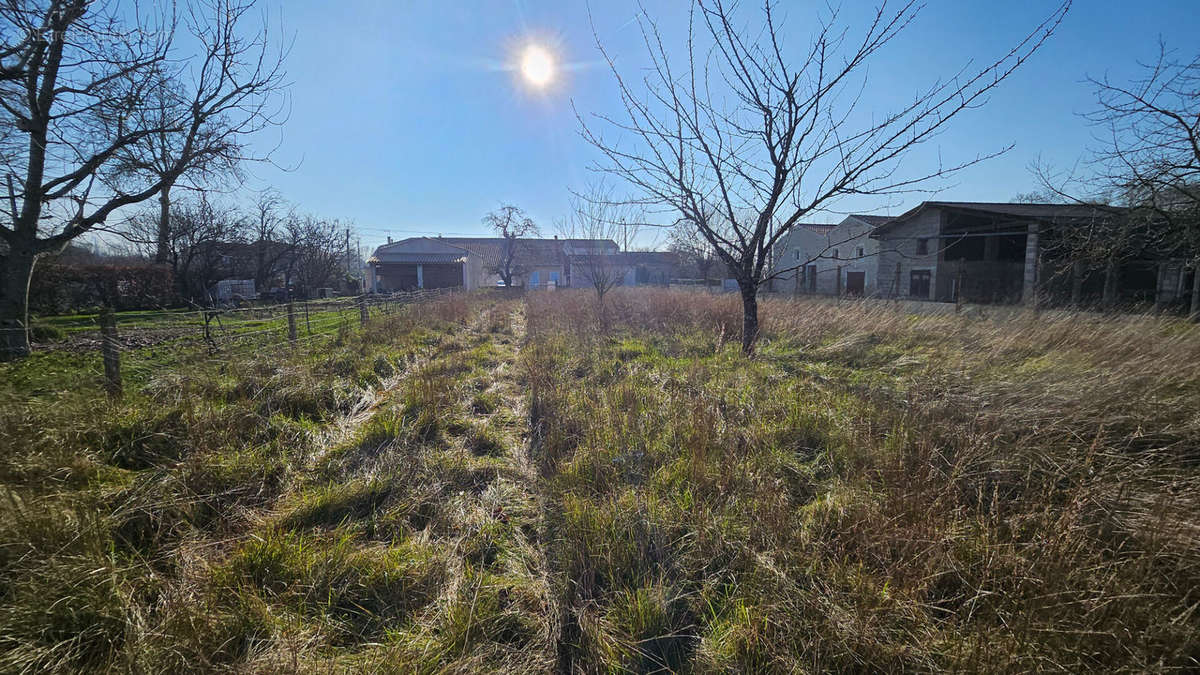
(856, 283)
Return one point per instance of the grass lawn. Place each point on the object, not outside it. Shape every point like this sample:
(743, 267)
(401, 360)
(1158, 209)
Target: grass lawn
(535, 485)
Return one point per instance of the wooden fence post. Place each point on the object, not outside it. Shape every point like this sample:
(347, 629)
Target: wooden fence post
(363, 314)
(291, 313)
(838, 286)
(111, 352)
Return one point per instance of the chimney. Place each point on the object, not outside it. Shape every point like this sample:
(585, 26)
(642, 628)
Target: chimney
(389, 238)
(556, 236)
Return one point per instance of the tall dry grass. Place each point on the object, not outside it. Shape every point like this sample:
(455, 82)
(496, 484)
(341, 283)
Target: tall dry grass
(131, 532)
(876, 490)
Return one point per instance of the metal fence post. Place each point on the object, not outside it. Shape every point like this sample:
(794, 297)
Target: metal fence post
(111, 352)
(291, 314)
(363, 315)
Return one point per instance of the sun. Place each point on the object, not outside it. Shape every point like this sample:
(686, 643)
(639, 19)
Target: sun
(537, 66)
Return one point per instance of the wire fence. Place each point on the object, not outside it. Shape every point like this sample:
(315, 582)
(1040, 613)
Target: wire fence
(126, 348)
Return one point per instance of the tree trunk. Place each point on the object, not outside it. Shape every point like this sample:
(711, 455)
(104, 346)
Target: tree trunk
(162, 250)
(749, 317)
(17, 269)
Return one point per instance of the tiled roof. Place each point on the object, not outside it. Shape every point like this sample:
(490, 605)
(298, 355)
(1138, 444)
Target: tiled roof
(529, 251)
(526, 251)
(421, 258)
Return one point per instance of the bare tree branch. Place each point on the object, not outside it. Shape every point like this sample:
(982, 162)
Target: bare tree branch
(745, 140)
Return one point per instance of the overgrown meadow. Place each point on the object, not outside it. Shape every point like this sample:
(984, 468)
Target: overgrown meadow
(541, 485)
(874, 491)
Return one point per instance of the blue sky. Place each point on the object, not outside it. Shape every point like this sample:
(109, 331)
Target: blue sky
(407, 118)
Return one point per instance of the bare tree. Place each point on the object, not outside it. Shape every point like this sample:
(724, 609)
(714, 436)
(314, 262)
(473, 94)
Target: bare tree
(691, 246)
(73, 76)
(273, 243)
(746, 139)
(318, 255)
(81, 88)
(511, 223)
(206, 241)
(233, 90)
(204, 238)
(596, 215)
(1151, 152)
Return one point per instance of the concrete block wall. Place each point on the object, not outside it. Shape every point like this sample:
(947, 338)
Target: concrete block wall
(899, 249)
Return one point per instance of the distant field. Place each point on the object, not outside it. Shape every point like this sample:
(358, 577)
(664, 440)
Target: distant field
(472, 484)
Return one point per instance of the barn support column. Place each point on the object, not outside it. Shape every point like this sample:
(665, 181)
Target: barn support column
(1029, 285)
(420, 276)
(1194, 312)
(1112, 277)
(1161, 294)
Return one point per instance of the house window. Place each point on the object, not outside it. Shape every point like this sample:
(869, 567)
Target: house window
(858, 252)
(922, 246)
(797, 254)
(533, 278)
(554, 277)
(836, 255)
(918, 284)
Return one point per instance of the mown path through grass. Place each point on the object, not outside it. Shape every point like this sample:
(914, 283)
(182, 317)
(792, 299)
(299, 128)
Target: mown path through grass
(414, 541)
(363, 504)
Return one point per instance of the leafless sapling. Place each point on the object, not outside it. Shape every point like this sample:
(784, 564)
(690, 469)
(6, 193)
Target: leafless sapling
(748, 135)
(598, 217)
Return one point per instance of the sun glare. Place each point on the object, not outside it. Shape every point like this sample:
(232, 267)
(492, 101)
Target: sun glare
(537, 66)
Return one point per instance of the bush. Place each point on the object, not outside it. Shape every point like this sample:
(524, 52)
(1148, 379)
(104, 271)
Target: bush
(40, 332)
(57, 288)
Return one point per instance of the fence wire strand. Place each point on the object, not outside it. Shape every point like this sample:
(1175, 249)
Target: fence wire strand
(199, 338)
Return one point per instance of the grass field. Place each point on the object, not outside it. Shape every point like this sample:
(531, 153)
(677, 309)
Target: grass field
(473, 484)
